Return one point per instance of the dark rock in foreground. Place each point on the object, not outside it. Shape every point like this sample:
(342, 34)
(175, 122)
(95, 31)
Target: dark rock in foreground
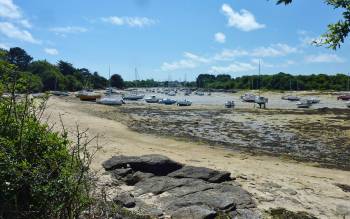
(177, 190)
(156, 164)
(203, 173)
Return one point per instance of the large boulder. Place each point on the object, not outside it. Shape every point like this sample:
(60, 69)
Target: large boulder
(203, 173)
(162, 186)
(157, 164)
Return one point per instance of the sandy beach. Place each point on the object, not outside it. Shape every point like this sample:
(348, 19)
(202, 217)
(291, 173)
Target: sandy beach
(274, 181)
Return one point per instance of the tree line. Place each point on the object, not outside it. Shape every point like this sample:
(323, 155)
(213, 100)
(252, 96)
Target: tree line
(44, 76)
(280, 81)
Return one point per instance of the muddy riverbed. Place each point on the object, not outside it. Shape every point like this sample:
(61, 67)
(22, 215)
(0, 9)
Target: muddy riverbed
(321, 136)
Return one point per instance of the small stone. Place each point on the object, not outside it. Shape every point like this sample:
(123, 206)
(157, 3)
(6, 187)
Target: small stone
(125, 199)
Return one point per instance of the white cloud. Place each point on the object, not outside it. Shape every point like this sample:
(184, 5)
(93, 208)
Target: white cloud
(9, 10)
(306, 39)
(191, 61)
(229, 54)
(243, 20)
(4, 46)
(13, 32)
(182, 64)
(233, 68)
(68, 29)
(324, 58)
(274, 50)
(51, 51)
(130, 21)
(262, 63)
(25, 23)
(220, 37)
(196, 58)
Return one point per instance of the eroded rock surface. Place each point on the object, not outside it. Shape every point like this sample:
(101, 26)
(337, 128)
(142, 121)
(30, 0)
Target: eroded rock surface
(162, 187)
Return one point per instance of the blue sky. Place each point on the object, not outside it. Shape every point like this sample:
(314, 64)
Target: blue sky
(174, 39)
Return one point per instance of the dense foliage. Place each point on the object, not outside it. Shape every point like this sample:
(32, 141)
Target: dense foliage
(336, 32)
(42, 174)
(117, 81)
(280, 81)
(46, 76)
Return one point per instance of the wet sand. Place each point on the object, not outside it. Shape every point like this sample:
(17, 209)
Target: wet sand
(273, 181)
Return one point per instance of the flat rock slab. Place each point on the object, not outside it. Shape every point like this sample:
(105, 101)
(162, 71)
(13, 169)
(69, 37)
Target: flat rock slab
(153, 163)
(194, 212)
(172, 189)
(203, 173)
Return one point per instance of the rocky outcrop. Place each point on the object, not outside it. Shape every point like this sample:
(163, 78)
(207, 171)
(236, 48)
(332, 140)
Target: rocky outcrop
(203, 173)
(162, 187)
(156, 164)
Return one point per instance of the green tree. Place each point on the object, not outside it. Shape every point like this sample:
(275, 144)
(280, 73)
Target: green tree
(3, 54)
(50, 75)
(337, 32)
(117, 81)
(66, 68)
(204, 79)
(19, 57)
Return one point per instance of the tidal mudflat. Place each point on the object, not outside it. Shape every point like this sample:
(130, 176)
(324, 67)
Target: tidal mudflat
(274, 181)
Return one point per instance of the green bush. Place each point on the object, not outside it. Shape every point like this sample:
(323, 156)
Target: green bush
(42, 173)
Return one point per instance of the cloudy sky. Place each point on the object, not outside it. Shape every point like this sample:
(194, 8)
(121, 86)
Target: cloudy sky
(176, 39)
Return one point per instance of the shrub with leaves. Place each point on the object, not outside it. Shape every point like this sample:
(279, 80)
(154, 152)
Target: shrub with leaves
(42, 173)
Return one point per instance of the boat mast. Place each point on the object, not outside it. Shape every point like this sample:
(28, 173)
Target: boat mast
(348, 86)
(136, 77)
(259, 77)
(109, 81)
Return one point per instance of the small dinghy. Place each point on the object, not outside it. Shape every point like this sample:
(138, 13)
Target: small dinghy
(59, 93)
(89, 96)
(345, 97)
(184, 103)
(167, 101)
(304, 104)
(291, 98)
(111, 101)
(187, 92)
(38, 95)
(249, 98)
(199, 93)
(230, 104)
(152, 99)
(314, 100)
(172, 93)
(133, 96)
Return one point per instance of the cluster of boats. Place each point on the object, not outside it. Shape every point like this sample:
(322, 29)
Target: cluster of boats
(168, 101)
(119, 100)
(113, 97)
(302, 103)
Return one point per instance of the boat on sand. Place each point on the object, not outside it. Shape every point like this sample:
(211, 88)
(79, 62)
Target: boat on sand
(184, 103)
(230, 104)
(89, 96)
(152, 99)
(167, 101)
(304, 104)
(111, 101)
